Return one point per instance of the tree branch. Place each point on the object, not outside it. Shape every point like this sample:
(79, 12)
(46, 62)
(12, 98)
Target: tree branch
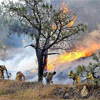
(30, 22)
(32, 46)
(51, 54)
(63, 38)
(56, 38)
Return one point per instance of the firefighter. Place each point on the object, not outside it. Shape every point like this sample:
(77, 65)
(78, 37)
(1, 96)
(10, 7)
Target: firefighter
(23, 41)
(2, 69)
(75, 77)
(4, 48)
(90, 77)
(19, 76)
(48, 76)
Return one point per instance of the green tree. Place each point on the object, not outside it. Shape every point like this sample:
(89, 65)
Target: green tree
(80, 70)
(93, 67)
(38, 20)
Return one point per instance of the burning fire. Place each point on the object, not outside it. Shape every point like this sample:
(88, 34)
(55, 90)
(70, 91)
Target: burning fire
(54, 26)
(75, 54)
(72, 22)
(72, 56)
(33, 71)
(65, 10)
(64, 57)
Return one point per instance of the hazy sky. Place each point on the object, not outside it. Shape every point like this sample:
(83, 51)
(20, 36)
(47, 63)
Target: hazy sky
(17, 0)
(7, 0)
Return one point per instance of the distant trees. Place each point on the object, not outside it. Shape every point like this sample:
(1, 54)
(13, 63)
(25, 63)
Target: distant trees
(80, 70)
(3, 29)
(45, 25)
(6, 24)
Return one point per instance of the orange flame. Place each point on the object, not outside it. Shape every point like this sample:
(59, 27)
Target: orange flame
(65, 10)
(72, 56)
(54, 26)
(72, 22)
(33, 71)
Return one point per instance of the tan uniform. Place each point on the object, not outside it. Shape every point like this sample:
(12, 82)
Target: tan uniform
(90, 78)
(74, 77)
(49, 77)
(78, 79)
(2, 68)
(4, 48)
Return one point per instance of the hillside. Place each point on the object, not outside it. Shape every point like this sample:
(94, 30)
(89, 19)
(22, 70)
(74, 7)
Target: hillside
(11, 90)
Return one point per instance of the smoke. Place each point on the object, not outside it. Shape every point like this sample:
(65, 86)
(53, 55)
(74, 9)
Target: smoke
(62, 70)
(87, 11)
(19, 59)
(93, 37)
(24, 59)
(47, 1)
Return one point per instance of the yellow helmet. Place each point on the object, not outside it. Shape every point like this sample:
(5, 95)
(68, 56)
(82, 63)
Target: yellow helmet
(3, 66)
(89, 73)
(68, 74)
(4, 47)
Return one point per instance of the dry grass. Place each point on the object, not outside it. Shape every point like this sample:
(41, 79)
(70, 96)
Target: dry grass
(25, 91)
(11, 90)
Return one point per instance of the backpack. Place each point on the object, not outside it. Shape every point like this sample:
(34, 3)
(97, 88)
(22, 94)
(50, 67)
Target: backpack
(20, 73)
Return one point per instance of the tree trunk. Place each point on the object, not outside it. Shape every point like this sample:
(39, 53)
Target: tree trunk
(40, 68)
(42, 61)
(45, 60)
(39, 55)
(40, 72)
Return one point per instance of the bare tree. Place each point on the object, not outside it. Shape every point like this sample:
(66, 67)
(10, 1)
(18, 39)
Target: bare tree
(45, 25)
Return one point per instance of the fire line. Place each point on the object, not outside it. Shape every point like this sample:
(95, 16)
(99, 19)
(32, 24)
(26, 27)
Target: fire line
(72, 56)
